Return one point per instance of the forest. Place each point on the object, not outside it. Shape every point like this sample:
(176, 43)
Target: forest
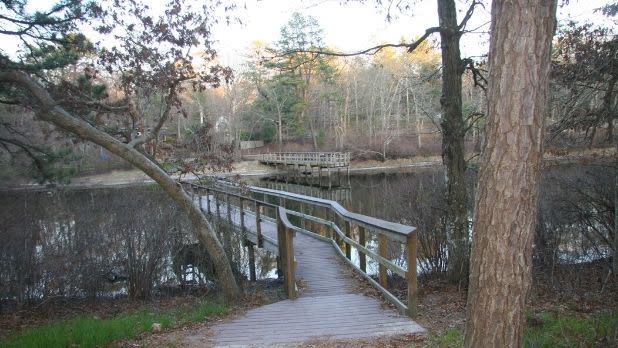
(504, 165)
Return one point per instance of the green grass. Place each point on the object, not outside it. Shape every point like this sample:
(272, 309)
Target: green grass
(552, 330)
(572, 331)
(452, 338)
(88, 331)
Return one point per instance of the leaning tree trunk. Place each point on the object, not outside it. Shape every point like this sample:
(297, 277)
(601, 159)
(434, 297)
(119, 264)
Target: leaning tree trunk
(453, 146)
(52, 113)
(507, 191)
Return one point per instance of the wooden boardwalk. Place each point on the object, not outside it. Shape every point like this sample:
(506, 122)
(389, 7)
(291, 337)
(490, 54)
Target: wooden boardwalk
(311, 159)
(327, 307)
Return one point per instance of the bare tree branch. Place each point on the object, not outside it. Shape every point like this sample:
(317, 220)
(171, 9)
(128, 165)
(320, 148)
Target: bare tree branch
(468, 15)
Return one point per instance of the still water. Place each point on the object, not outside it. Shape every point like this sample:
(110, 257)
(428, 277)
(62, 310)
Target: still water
(133, 240)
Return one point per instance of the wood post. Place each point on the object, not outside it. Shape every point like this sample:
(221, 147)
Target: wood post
(339, 176)
(348, 233)
(217, 204)
(258, 225)
(330, 185)
(362, 258)
(411, 274)
(251, 253)
(286, 253)
(382, 249)
(228, 208)
(241, 206)
(208, 200)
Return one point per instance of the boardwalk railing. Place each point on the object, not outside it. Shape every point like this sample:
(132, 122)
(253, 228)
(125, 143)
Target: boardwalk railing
(236, 207)
(312, 159)
(346, 230)
(329, 221)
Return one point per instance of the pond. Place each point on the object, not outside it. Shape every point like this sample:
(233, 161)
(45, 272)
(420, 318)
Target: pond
(134, 241)
(575, 210)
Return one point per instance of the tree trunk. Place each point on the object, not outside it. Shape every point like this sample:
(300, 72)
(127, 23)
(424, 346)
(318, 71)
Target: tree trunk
(52, 113)
(453, 147)
(507, 192)
(615, 263)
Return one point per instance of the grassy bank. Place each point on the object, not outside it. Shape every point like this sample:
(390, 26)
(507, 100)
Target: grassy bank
(545, 330)
(89, 331)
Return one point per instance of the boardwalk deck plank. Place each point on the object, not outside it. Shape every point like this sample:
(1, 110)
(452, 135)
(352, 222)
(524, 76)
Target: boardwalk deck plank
(327, 308)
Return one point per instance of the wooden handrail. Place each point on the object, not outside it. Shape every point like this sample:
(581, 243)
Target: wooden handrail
(327, 159)
(393, 230)
(386, 230)
(285, 230)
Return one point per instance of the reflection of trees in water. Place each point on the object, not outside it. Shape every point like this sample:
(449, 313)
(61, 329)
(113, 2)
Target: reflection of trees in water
(89, 243)
(575, 218)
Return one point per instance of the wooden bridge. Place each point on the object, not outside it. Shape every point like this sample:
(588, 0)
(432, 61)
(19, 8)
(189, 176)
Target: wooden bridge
(311, 159)
(302, 166)
(328, 235)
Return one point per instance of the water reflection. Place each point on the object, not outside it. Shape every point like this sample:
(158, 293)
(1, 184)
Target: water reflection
(575, 216)
(104, 243)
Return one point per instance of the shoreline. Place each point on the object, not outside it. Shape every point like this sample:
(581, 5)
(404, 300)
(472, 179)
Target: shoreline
(253, 169)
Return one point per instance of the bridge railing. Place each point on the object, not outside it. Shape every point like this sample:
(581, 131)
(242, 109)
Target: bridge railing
(347, 230)
(324, 159)
(260, 211)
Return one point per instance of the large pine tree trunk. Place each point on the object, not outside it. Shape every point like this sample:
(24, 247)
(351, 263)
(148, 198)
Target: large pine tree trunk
(507, 192)
(453, 147)
(52, 113)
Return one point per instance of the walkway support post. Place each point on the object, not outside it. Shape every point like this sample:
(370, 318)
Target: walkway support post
(251, 252)
(208, 201)
(285, 236)
(258, 225)
(411, 274)
(362, 258)
(217, 204)
(228, 209)
(382, 249)
(348, 233)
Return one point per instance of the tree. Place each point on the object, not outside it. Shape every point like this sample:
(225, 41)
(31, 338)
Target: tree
(507, 191)
(152, 54)
(301, 69)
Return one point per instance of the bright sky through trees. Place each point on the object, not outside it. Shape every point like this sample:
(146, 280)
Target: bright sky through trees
(354, 26)
(347, 27)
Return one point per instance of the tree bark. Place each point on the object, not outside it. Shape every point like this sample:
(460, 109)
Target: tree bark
(453, 146)
(52, 113)
(507, 192)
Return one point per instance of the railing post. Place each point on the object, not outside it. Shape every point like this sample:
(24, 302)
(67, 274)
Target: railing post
(348, 233)
(217, 203)
(412, 241)
(362, 258)
(228, 208)
(201, 203)
(241, 206)
(208, 201)
(258, 226)
(251, 252)
(382, 249)
(286, 254)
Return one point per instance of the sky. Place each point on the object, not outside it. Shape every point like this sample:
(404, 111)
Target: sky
(353, 26)
(349, 27)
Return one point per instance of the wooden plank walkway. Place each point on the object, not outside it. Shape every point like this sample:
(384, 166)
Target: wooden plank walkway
(327, 307)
